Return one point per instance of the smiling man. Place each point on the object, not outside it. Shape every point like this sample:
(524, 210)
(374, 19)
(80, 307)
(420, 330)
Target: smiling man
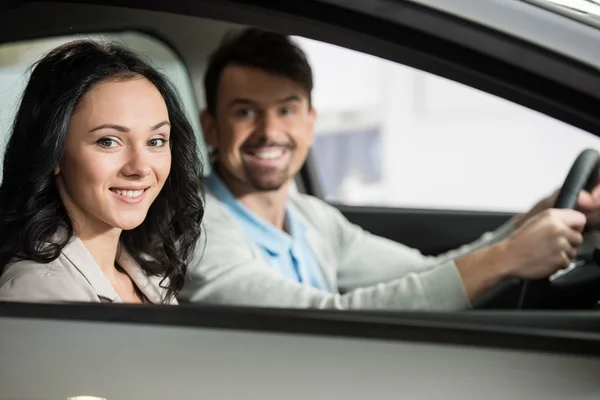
(266, 246)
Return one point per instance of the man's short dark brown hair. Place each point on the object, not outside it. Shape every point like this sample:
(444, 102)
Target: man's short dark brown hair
(251, 47)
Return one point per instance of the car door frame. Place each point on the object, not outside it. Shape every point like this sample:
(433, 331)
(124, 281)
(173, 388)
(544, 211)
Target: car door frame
(321, 20)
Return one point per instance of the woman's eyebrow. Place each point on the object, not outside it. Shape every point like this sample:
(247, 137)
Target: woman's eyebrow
(110, 126)
(121, 128)
(160, 125)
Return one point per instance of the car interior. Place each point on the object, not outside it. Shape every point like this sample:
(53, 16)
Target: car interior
(478, 166)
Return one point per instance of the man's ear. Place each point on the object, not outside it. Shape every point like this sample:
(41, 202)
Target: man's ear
(209, 129)
(312, 119)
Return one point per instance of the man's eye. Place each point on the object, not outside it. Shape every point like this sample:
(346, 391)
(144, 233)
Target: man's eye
(287, 111)
(157, 142)
(244, 112)
(106, 142)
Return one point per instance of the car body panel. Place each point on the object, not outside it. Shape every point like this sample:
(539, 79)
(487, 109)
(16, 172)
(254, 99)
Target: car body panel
(225, 353)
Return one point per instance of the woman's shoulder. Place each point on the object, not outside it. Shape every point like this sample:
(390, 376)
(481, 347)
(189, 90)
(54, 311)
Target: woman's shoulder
(29, 269)
(28, 280)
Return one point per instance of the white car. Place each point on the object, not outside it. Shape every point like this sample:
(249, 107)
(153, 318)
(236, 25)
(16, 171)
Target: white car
(456, 114)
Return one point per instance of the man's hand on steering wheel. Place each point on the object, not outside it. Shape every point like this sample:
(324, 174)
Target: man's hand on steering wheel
(588, 203)
(545, 240)
(544, 244)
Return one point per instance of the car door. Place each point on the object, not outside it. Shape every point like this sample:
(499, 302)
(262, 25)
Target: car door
(130, 352)
(126, 352)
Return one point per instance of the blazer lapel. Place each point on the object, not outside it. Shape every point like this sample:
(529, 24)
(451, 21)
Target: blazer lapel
(148, 285)
(82, 259)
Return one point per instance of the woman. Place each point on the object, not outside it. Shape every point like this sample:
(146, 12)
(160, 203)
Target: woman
(101, 196)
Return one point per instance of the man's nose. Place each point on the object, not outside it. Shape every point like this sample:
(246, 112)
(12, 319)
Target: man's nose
(269, 125)
(137, 163)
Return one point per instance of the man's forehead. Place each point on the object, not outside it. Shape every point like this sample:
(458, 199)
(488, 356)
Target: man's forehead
(238, 82)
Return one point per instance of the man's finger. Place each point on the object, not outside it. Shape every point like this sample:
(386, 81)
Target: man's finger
(573, 238)
(572, 218)
(596, 193)
(585, 201)
(593, 217)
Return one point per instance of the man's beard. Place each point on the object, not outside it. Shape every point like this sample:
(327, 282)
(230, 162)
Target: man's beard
(266, 179)
(262, 178)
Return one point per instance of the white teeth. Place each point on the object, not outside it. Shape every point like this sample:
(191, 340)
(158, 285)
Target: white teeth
(268, 154)
(129, 193)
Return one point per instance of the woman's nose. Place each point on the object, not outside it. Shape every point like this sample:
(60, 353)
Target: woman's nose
(137, 163)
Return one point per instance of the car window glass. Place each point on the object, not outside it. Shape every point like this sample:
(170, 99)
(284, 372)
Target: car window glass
(391, 135)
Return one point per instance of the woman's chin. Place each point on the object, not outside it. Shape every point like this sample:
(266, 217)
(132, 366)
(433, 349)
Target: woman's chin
(129, 227)
(128, 224)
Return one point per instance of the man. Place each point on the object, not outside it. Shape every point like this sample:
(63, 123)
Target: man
(266, 246)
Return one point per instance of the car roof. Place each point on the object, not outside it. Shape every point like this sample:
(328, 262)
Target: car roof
(535, 21)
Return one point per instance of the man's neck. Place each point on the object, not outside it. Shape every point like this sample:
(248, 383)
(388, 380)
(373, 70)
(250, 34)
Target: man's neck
(268, 205)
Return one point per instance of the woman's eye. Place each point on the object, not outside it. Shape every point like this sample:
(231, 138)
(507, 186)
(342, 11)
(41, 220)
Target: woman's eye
(157, 142)
(106, 142)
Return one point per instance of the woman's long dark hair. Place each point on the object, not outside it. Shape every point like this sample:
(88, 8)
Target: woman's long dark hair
(31, 210)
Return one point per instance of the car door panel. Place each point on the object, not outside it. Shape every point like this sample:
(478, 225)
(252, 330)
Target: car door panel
(130, 352)
(430, 231)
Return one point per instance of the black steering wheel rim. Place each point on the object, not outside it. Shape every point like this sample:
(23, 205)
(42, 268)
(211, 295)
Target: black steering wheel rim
(583, 175)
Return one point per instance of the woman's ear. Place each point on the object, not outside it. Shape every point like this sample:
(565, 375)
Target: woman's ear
(57, 170)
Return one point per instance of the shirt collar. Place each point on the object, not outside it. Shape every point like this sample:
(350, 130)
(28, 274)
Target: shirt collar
(263, 233)
(76, 252)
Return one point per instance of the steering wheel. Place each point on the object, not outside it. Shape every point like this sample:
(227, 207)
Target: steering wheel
(584, 175)
(576, 287)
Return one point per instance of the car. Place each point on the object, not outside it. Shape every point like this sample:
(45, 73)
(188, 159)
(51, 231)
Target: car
(455, 113)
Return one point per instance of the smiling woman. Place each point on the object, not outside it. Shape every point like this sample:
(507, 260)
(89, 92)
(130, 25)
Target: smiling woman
(106, 205)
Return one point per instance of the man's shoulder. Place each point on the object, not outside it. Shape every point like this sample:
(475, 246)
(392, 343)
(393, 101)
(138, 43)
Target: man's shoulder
(220, 223)
(214, 209)
(315, 210)
(308, 202)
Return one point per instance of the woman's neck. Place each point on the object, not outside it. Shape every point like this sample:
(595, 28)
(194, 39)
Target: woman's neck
(99, 238)
(104, 247)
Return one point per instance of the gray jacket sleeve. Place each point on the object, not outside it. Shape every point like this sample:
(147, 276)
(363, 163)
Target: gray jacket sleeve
(228, 269)
(367, 259)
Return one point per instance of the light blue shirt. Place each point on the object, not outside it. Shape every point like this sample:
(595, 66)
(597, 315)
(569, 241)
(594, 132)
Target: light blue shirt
(286, 253)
